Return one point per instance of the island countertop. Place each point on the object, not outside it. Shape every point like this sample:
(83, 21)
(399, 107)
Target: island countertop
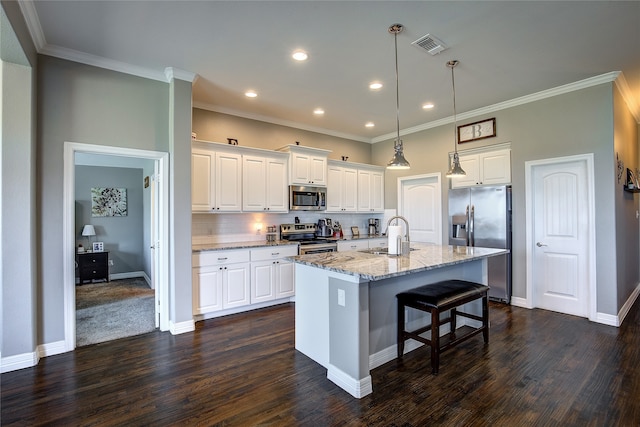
(373, 267)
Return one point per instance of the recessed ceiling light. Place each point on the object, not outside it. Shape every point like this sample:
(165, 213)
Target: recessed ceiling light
(427, 106)
(300, 55)
(375, 85)
(369, 124)
(318, 111)
(250, 94)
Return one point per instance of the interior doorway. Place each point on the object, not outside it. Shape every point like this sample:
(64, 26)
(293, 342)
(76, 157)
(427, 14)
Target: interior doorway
(420, 202)
(158, 244)
(561, 235)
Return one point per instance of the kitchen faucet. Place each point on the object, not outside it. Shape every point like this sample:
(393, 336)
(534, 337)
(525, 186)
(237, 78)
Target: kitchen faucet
(405, 222)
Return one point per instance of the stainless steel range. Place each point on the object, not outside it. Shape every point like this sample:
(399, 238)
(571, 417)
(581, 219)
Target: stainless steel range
(305, 234)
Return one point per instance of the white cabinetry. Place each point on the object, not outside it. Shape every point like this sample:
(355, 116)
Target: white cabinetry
(307, 166)
(378, 242)
(353, 245)
(264, 183)
(342, 189)
(370, 190)
(220, 280)
(272, 276)
(484, 168)
(215, 181)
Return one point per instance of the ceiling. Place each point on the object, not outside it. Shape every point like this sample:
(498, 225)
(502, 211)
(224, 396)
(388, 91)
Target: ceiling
(507, 50)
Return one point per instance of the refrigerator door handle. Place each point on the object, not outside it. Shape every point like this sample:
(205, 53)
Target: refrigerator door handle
(467, 226)
(472, 230)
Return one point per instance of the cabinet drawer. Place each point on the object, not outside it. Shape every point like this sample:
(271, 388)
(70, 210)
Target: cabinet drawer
(93, 272)
(273, 252)
(219, 257)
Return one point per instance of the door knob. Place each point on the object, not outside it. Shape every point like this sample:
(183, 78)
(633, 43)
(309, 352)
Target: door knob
(540, 244)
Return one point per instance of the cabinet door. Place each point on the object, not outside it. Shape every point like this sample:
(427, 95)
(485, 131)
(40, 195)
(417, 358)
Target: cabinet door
(285, 282)
(300, 164)
(495, 167)
(350, 190)
(471, 165)
(277, 196)
(207, 289)
(201, 180)
(377, 191)
(262, 281)
(364, 191)
(235, 285)
(253, 183)
(318, 170)
(334, 189)
(228, 182)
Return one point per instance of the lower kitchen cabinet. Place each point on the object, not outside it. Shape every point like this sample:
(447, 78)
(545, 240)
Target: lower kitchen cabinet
(353, 245)
(272, 276)
(220, 280)
(238, 280)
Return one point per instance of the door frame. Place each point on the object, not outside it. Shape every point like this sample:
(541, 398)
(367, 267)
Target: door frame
(438, 178)
(161, 275)
(587, 159)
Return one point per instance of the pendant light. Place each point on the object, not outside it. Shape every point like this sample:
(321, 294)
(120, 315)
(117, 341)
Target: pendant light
(456, 169)
(398, 161)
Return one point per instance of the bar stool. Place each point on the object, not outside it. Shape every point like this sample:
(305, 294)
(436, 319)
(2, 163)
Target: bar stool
(435, 299)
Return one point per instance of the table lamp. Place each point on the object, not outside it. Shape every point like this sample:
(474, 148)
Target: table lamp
(88, 231)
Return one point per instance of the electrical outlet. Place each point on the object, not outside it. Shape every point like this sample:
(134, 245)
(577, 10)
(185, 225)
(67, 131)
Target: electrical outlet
(111, 262)
(341, 297)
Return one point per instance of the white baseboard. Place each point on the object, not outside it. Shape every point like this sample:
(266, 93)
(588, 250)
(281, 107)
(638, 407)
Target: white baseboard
(19, 361)
(52, 349)
(129, 275)
(520, 302)
(182, 327)
(356, 388)
(624, 310)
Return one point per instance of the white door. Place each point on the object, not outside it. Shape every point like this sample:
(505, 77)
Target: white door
(420, 202)
(560, 236)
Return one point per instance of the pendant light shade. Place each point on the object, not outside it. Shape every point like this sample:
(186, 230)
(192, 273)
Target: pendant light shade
(455, 169)
(398, 161)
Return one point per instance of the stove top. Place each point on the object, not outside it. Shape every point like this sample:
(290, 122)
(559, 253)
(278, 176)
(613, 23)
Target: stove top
(304, 233)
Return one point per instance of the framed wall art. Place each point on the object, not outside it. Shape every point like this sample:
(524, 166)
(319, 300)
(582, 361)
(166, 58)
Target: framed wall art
(108, 202)
(478, 130)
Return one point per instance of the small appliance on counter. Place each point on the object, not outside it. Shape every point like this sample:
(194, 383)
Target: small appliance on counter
(374, 226)
(323, 229)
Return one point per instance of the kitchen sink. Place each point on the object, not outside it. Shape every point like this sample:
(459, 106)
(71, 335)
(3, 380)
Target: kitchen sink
(381, 251)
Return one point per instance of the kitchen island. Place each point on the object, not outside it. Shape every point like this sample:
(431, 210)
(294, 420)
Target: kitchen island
(346, 306)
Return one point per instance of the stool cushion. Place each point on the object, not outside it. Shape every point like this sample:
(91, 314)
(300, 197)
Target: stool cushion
(440, 293)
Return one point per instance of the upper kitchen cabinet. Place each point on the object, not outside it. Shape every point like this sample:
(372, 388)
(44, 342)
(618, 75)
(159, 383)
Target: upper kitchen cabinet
(216, 180)
(370, 189)
(484, 168)
(264, 183)
(342, 188)
(307, 166)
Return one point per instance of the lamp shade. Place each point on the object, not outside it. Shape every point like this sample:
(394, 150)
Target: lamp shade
(88, 230)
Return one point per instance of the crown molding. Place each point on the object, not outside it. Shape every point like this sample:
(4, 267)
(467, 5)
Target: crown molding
(28, 9)
(176, 73)
(291, 124)
(571, 87)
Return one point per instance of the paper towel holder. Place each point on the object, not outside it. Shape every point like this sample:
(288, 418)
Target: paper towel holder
(405, 246)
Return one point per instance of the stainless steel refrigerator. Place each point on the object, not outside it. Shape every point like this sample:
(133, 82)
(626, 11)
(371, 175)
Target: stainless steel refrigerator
(481, 216)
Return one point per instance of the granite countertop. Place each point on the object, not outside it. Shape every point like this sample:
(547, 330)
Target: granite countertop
(238, 245)
(380, 266)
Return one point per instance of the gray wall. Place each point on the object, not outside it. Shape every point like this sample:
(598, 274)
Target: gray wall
(122, 235)
(217, 127)
(85, 104)
(574, 123)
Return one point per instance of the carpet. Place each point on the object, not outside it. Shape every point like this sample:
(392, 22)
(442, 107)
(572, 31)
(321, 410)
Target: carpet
(111, 310)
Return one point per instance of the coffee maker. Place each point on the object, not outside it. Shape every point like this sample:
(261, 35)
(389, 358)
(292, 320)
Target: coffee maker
(374, 226)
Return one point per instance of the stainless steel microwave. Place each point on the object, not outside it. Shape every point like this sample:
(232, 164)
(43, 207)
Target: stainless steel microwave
(306, 198)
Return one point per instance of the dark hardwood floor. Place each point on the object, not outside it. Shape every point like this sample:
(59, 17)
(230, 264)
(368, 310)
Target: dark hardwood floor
(540, 368)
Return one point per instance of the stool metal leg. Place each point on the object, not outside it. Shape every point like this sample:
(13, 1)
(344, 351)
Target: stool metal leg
(485, 318)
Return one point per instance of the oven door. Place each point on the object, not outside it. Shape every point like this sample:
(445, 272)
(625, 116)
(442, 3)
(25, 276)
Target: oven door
(317, 249)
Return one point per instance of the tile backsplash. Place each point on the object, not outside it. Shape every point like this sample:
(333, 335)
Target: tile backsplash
(243, 227)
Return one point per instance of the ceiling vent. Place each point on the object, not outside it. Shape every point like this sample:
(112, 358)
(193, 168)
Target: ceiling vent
(430, 44)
